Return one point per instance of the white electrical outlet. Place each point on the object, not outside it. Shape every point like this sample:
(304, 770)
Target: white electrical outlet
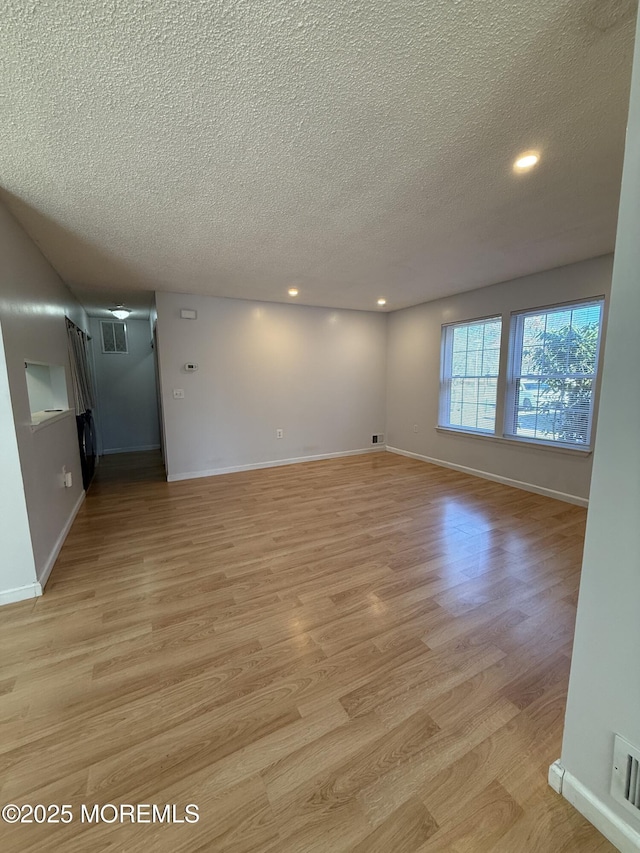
(279, 433)
(178, 394)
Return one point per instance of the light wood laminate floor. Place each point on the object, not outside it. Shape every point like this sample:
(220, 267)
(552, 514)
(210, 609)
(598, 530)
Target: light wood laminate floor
(367, 654)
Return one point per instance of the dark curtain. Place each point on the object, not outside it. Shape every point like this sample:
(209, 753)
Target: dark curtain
(83, 399)
(80, 373)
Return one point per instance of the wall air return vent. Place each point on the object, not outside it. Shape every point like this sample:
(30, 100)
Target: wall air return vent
(625, 778)
(114, 336)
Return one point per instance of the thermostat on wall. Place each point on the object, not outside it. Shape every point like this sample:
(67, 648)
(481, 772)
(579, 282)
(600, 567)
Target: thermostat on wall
(190, 367)
(188, 314)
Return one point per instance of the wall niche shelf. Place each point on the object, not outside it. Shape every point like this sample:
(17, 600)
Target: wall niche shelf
(43, 419)
(47, 389)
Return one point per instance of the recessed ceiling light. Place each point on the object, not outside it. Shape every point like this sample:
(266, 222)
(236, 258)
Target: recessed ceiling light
(293, 291)
(382, 301)
(526, 161)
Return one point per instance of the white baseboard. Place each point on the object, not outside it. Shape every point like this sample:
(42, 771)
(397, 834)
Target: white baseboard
(487, 475)
(45, 571)
(214, 472)
(556, 776)
(612, 826)
(140, 449)
(20, 593)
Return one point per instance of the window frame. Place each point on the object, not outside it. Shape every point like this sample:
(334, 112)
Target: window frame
(446, 377)
(514, 373)
(114, 323)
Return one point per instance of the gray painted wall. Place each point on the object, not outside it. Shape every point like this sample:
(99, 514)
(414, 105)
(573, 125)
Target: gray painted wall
(604, 689)
(127, 407)
(33, 304)
(316, 373)
(413, 378)
(17, 568)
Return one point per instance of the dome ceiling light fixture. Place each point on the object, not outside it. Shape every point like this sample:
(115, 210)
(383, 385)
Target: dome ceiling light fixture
(120, 312)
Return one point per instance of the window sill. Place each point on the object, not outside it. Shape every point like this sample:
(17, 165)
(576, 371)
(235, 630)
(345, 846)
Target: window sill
(39, 420)
(515, 440)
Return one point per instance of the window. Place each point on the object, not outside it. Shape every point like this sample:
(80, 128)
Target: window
(469, 375)
(114, 337)
(553, 367)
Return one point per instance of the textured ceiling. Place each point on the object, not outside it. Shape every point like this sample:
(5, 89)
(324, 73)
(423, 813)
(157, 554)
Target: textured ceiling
(356, 149)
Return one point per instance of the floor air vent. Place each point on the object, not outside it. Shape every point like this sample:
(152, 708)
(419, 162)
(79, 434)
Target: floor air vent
(625, 779)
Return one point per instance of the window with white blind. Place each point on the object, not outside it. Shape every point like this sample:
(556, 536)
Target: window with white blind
(553, 365)
(469, 375)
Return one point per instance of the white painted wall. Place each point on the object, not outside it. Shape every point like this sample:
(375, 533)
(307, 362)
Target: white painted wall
(414, 377)
(126, 406)
(316, 373)
(33, 303)
(17, 568)
(604, 690)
